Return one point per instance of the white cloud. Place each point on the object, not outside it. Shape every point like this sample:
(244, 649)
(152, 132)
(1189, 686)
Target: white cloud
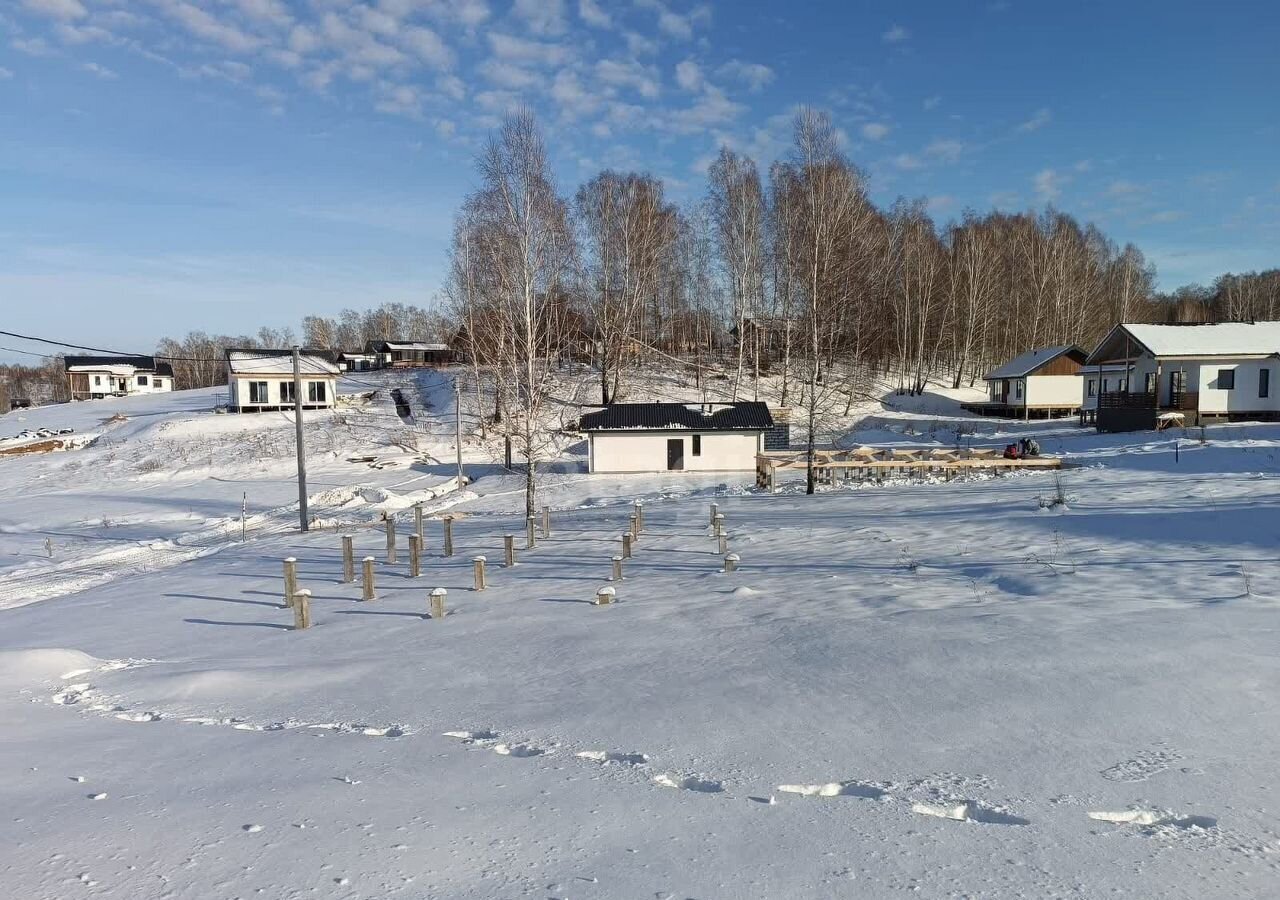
(66, 10)
(272, 11)
(754, 75)
(1124, 188)
(875, 131)
(945, 150)
(1164, 217)
(1048, 184)
(1084, 165)
(400, 99)
(100, 71)
(542, 16)
(931, 103)
(895, 35)
(591, 13)
(451, 86)
(521, 50)
(907, 162)
(675, 24)
(712, 108)
(689, 75)
(81, 34)
(203, 25)
(303, 39)
(31, 46)
(572, 96)
(639, 45)
(5, 73)
(446, 128)
(941, 203)
(508, 75)
(628, 74)
(427, 46)
(1041, 118)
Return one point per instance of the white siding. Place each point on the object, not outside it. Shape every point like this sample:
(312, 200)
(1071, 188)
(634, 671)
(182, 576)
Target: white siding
(1241, 398)
(238, 390)
(1053, 390)
(646, 451)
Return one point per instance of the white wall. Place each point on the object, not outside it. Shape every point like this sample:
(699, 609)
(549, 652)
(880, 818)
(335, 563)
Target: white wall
(238, 389)
(1244, 396)
(1053, 390)
(646, 451)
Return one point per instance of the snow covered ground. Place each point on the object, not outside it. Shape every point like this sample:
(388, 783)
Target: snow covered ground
(952, 690)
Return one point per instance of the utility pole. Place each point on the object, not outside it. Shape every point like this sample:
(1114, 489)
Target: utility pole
(457, 422)
(302, 455)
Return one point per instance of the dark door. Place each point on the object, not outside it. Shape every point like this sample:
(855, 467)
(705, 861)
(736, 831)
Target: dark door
(1177, 387)
(675, 454)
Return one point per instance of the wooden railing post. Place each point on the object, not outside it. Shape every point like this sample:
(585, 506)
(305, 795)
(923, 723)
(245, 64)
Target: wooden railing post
(605, 596)
(448, 535)
(290, 581)
(348, 559)
(530, 537)
(509, 550)
(617, 568)
(731, 562)
(626, 545)
(715, 511)
(417, 522)
(546, 521)
(478, 563)
(368, 579)
(301, 609)
(391, 540)
(438, 597)
(415, 556)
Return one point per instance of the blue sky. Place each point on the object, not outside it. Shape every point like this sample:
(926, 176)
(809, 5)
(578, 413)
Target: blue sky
(168, 165)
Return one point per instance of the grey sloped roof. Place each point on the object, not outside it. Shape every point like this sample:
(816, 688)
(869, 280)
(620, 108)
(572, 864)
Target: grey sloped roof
(746, 416)
(1026, 363)
(138, 362)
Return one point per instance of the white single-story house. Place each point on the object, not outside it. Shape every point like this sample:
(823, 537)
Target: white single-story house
(1036, 384)
(260, 380)
(1198, 372)
(676, 437)
(96, 377)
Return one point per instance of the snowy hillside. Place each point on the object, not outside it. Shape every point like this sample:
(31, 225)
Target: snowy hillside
(968, 689)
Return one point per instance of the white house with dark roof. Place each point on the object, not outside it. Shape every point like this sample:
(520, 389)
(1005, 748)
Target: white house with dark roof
(1036, 384)
(262, 380)
(676, 437)
(1209, 371)
(96, 377)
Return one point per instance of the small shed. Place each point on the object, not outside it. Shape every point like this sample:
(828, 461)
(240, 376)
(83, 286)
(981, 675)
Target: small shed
(676, 437)
(1037, 384)
(409, 354)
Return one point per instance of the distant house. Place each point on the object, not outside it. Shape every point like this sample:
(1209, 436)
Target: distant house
(1187, 373)
(1037, 384)
(96, 377)
(262, 380)
(675, 437)
(409, 354)
(357, 361)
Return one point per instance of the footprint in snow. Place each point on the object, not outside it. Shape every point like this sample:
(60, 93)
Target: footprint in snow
(1152, 818)
(139, 717)
(521, 750)
(605, 757)
(72, 694)
(689, 783)
(968, 811)
(473, 737)
(835, 789)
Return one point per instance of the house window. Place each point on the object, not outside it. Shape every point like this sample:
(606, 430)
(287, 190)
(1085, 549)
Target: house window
(258, 392)
(159, 383)
(287, 394)
(1017, 388)
(1151, 383)
(1264, 382)
(142, 381)
(697, 445)
(1106, 386)
(1093, 387)
(315, 392)
(97, 381)
(1226, 379)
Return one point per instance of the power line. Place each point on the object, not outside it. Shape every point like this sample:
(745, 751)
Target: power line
(199, 359)
(27, 352)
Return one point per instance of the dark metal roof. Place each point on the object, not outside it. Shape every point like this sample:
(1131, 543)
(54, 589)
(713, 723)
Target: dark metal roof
(138, 362)
(747, 416)
(330, 356)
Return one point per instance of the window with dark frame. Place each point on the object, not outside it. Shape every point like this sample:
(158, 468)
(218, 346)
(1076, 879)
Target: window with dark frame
(257, 392)
(1151, 383)
(287, 394)
(697, 445)
(142, 381)
(315, 392)
(1264, 382)
(1093, 387)
(1226, 379)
